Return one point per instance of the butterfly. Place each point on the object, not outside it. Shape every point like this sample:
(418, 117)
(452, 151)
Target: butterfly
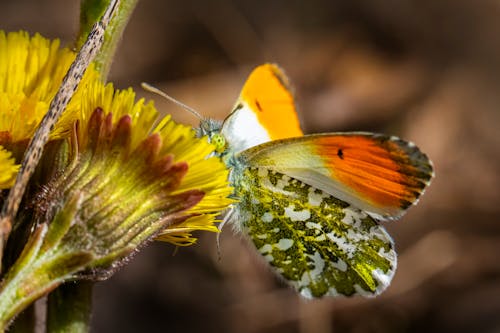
(311, 204)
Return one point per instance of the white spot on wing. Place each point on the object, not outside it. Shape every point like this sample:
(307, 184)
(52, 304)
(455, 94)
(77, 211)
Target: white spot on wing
(315, 199)
(383, 278)
(267, 217)
(266, 248)
(319, 265)
(389, 255)
(346, 247)
(269, 257)
(320, 238)
(340, 265)
(284, 244)
(312, 225)
(306, 293)
(262, 172)
(301, 215)
(352, 216)
(284, 181)
(332, 292)
(305, 280)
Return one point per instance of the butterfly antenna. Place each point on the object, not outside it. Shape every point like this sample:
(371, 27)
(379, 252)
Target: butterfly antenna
(150, 88)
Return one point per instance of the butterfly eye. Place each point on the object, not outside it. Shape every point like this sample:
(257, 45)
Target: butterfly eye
(219, 142)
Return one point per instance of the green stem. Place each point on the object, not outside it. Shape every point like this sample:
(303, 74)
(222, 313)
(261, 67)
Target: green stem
(21, 285)
(38, 270)
(69, 308)
(90, 12)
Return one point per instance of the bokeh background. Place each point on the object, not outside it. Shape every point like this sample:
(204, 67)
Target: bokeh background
(427, 71)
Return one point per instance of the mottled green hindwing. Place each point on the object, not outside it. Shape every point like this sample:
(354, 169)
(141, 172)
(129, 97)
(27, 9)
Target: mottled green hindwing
(317, 243)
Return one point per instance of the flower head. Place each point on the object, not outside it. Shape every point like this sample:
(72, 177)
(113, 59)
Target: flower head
(31, 70)
(166, 139)
(125, 184)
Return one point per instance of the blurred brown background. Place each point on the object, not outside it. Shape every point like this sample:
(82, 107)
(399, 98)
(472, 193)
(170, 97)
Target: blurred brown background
(427, 71)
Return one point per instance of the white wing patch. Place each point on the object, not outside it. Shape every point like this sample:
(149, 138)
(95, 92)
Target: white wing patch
(242, 129)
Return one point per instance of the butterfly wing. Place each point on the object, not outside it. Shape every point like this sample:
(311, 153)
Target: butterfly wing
(378, 174)
(310, 203)
(264, 111)
(321, 245)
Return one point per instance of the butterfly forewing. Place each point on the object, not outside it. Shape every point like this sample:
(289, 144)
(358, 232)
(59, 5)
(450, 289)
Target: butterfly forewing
(317, 243)
(264, 111)
(379, 174)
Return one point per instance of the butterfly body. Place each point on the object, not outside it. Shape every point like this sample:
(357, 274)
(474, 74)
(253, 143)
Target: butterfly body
(311, 203)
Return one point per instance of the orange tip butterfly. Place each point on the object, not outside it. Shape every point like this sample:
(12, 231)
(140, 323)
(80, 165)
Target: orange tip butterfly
(311, 204)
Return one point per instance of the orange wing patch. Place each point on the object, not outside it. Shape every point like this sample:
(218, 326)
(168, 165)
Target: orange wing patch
(387, 172)
(268, 95)
(378, 174)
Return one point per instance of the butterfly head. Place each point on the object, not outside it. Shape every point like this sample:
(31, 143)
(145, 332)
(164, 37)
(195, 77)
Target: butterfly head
(219, 142)
(211, 128)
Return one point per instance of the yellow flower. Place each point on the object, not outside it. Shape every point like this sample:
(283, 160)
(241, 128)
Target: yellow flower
(206, 174)
(31, 70)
